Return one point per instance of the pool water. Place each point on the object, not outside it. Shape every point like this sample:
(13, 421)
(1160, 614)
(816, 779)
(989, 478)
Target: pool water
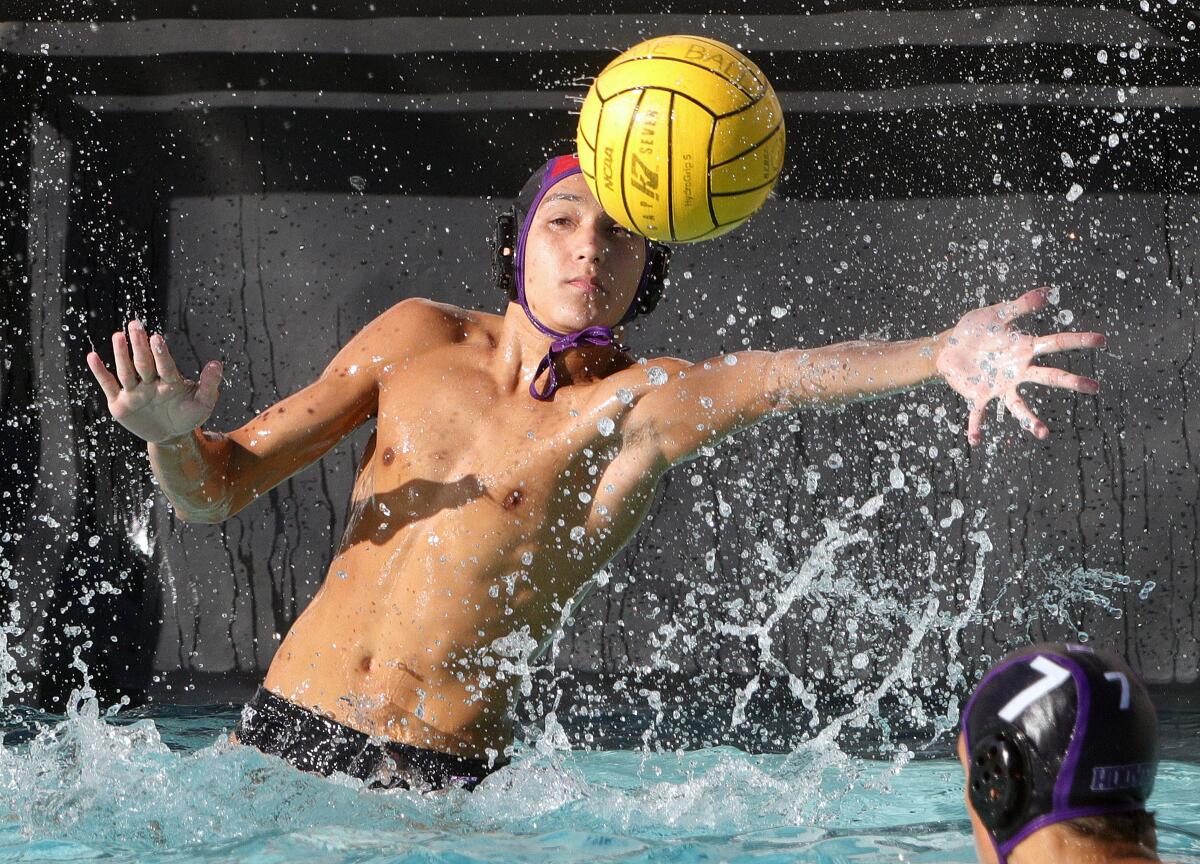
(163, 785)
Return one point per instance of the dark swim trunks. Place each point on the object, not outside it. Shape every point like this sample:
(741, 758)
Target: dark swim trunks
(314, 743)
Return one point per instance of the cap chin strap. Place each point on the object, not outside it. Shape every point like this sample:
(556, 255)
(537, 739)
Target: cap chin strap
(595, 335)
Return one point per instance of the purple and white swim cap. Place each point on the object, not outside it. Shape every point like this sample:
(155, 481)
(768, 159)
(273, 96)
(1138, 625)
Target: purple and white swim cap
(1057, 732)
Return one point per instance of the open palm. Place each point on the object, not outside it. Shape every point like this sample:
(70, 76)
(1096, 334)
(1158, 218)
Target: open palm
(985, 357)
(148, 396)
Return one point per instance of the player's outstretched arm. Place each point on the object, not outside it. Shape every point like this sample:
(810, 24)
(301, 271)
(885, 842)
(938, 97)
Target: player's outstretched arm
(982, 358)
(209, 476)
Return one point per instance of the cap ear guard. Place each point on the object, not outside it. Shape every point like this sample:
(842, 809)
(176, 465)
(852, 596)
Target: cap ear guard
(999, 780)
(503, 250)
(657, 269)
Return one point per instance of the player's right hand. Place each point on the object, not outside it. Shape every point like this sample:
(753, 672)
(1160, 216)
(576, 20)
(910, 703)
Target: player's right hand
(148, 396)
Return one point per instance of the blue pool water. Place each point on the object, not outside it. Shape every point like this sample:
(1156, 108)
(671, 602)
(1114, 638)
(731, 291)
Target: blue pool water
(162, 785)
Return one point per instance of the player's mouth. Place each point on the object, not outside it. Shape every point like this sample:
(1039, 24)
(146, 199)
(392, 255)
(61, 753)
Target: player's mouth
(586, 285)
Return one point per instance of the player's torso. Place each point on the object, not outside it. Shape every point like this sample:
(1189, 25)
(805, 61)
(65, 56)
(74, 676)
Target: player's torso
(476, 514)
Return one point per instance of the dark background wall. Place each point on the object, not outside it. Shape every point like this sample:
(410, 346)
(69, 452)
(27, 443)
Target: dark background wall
(260, 188)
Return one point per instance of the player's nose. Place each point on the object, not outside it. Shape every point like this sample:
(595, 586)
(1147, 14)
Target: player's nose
(591, 242)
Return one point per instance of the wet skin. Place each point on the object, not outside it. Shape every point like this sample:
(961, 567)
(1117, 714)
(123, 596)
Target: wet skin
(479, 512)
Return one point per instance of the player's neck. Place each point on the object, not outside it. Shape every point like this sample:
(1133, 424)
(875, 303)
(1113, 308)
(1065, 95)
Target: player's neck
(522, 346)
(1060, 845)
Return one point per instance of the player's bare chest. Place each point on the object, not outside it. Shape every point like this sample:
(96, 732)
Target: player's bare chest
(449, 419)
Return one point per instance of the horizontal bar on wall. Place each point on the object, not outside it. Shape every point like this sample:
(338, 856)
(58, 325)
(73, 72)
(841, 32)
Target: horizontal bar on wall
(901, 99)
(520, 33)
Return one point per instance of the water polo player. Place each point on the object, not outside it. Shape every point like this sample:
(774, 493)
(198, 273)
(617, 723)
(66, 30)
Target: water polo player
(1060, 747)
(513, 456)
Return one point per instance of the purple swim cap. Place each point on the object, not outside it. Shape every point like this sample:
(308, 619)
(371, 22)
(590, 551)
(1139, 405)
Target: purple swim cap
(557, 169)
(1057, 732)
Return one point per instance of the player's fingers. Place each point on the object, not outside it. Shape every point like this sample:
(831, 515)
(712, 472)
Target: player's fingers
(1062, 378)
(125, 371)
(1030, 301)
(1067, 342)
(210, 384)
(164, 363)
(109, 384)
(143, 358)
(975, 425)
(1028, 419)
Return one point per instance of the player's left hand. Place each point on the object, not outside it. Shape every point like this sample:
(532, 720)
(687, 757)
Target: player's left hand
(985, 357)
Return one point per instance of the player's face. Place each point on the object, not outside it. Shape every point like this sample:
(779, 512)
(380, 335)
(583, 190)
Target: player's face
(581, 267)
(984, 850)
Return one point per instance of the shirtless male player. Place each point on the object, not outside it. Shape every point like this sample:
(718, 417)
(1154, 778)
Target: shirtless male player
(495, 487)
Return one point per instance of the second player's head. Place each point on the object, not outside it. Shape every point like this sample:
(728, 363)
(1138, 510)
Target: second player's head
(1059, 738)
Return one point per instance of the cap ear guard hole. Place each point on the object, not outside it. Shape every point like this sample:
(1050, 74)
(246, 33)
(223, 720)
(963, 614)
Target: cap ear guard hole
(998, 790)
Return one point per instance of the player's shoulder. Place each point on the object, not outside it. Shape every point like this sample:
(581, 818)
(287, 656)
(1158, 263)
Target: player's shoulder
(642, 375)
(421, 323)
(669, 364)
(422, 312)
(653, 369)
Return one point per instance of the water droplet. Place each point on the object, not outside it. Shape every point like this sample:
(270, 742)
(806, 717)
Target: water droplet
(730, 359)
(1074, 192)
(859, 661)
(606, 426)
(625, 395)
(1064, 317)
(778, 312)
(657, 376)
(526, 558)
(577, 533)
(1144, 594)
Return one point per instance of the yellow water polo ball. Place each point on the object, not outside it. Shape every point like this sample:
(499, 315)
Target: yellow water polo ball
(681, 138)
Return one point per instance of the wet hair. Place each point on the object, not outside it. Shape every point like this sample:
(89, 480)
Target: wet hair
(1137, 827)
